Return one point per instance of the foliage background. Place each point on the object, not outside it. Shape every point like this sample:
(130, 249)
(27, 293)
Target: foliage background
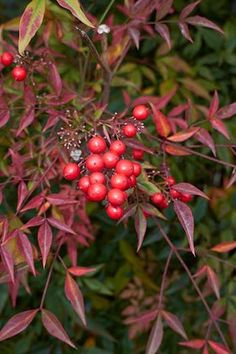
(210, 62)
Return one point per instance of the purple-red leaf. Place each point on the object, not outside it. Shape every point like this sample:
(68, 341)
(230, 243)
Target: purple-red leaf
(227, 111)
(190, 189)
(8, 261)
(194, 343)
(60, 225)
(17, 324)
(202, 21)
(185, 217)
(164, 8)
(183, 135)
(80, 271)
(75, 297)
(220, 127)
(155, 338)
(213, 281)
(44, 241)
(55, 79)
(175, 150)
(4, 111)
(214, 105)
(162, 123)
(205, 138)
(26, 120)
(35, 221)
(164, 32)
(135, 35)
(22, 193)
(35, 202)
(54, 327)
(224, 247)
(218, 348)
(174, 323)
(27, 250)
(140, 226)
(188, 9)
(185, 31)
(60, 199)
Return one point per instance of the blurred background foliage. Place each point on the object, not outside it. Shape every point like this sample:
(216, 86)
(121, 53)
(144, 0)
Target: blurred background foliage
(198, 69)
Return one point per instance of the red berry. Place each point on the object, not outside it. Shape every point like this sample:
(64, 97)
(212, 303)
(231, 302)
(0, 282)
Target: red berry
(114, 212)
(71, 171)
(97, 177)
(119, 181)
(19, 73)
(116, 197)
(125, 167)
(157, 198)
(7, 59)
(110, 159)
(164, 204)
(170, 180)
(129, 130)
(132, 181)
(118, 147)
(83, 183)
(97, 145)
(97, 192)
(174, 194)
(140, 112)
(94, 163)
(185, 197)
(137, 169)
(146, 214)
(137, 154)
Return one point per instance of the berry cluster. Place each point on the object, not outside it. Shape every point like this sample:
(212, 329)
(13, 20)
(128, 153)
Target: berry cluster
(19, 73)
(107, 174)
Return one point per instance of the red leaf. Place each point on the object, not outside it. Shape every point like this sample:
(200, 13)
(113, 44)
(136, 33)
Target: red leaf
(35, 202)
(52, 120)
(134, 144)
(26, 120)
(164, 8)
(80, 271)
(155, 338)
(232, 179)
(29, 96)
(27, 250)
(135, 35)
(164, 32)
(75, 297)
(174, 323)
(188, 9)
(218, 348)
(36, 221)
(163, 126)
(8, 261)
(140, 227)
(205, 350)
(60, 225)
(4, 111)
(185, 31)
(190, 189)
(224, 247)
(22, 193)
(175, 150)
(54, 327)
(214, 105)
(183, 135)
(220, 127)
(60, 199)
(162, 101)
(66, 96)
(55, 79)
(202, 21)
(176, 111)
(205, 138)
(213, 281)
(227, 111)
(17, 324)
(185, 217)
(194, 343)
(44, 241)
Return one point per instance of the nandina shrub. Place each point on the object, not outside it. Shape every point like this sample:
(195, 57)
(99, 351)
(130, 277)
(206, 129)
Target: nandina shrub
(65, 147)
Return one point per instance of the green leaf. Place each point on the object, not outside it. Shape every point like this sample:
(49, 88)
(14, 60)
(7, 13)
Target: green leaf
(74, 7)
(30, 22)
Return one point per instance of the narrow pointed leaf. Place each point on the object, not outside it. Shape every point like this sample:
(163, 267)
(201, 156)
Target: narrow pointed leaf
(8, 261)
(35, 202)
(55, 79)
(27, 250)
(60, 225)
(60, 199)
(164, 8)
(184, 29)
(190, 189)
(80, 271)
(175, 150)
(174, 323)
(44, 241)
(162, 123)
(218, 348)
(194, 344)
(183, 135)
(206, 139)
(140, 227)
(17, 324)
(185, 217)
(155, 338)
(188, 9)
(26, 120)
(74, 7)
(227, 111)
(213, 281)
(30, 22)
(54, 327)
(164, 32)
(22, 193)
(220, 127)
(4, 111)
(214, 105)
(224, 247)
(36, 221)
(204, 22)
(75, 297)
(135, 35)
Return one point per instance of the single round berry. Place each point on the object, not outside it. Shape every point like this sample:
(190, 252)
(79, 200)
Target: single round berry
(110, 159)
(19, 73)
(7, 59)
(137, 169)
(164, 204)
(185, 197)
(137, 154)
(71, 171)
(83, 184)
(174, 194)
(125, 167)
(114, 212)
(96, 192)
(140, 112)
(97, 177)
(97, 145)
(119, 181)
(118, 147)
(129, 130)
(132, 181)
(157, 198)
(94, 163)
(116, 197)
(170, 180)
